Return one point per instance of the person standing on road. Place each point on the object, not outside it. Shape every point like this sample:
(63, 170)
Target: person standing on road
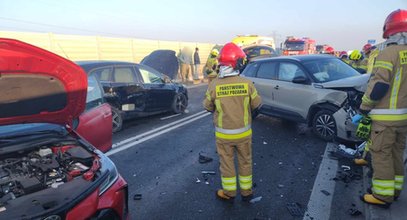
(212, 65)
(184, 58)
(232, 99)
(385, 101)
(197, 63)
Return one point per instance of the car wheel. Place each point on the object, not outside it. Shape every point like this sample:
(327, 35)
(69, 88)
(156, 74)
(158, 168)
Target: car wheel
(180, 103)
(117, 120)
(324, 125)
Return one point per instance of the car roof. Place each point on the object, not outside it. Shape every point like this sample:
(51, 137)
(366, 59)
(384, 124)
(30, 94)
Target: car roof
(90, 64)
(299, 58)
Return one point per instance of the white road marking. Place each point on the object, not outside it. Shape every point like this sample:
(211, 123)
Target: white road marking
(154, 133)
(171, 116)
(154, 130)
(319, 205)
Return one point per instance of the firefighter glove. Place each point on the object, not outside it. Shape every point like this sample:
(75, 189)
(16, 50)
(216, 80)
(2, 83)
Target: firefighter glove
(364, 128)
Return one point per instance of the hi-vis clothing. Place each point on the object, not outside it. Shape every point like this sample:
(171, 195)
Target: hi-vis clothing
(370, 61)
(211, 68)
(359, 64)
(386, 98)
(232, 99)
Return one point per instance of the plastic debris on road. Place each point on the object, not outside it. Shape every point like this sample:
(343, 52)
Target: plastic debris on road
(257, 199)
(198, 180)
(208, 172)
(204, 158)
(137, 196)
(295, 209)
(264, 142)
(325, 192)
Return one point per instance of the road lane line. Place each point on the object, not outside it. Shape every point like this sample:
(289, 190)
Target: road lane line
(319, 205)
(145, 138)
(171, 116)
(155, 130)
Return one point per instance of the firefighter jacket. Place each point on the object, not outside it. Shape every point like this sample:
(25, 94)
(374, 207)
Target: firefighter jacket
(359, 65)
(386, 94)
(211, 66)
(371, 59)
(232, 100)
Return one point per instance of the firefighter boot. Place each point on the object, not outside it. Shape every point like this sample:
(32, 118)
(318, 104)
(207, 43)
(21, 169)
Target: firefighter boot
(360, 162)
(221, 195)
(370, 199)
(370, 191)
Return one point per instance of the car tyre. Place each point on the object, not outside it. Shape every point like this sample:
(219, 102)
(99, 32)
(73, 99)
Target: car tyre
(117, 120)
(324, 125)
(180, 103)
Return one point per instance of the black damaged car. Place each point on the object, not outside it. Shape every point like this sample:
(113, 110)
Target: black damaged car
(135, 90)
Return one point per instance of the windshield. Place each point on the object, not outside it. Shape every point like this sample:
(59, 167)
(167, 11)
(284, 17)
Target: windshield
(258, 51)
(326, 70)
(295, 45)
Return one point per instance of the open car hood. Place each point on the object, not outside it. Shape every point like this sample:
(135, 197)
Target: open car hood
(357, 82)
(38, 86)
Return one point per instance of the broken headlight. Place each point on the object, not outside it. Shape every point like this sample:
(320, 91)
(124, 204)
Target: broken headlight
(113, 175)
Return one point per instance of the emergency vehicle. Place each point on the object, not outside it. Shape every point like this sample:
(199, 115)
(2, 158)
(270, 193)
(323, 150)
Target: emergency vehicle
(246, 40)
(296, 46)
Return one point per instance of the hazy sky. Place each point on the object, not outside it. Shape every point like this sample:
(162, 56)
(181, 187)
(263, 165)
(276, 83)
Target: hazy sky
(345, 24)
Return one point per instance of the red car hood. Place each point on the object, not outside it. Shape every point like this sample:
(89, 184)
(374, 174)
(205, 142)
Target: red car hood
(39, 86)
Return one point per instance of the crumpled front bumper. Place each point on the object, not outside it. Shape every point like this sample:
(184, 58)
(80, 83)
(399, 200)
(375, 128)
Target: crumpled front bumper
(346, 130)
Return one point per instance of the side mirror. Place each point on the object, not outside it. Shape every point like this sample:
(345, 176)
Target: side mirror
(300, 80)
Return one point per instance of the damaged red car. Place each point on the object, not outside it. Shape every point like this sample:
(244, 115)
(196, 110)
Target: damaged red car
(47, 169)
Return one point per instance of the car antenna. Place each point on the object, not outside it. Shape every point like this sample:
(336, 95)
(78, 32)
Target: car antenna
(66, 55)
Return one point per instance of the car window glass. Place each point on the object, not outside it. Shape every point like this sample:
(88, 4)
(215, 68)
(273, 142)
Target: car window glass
(325, 70)
(123, 75)
(288, 71)
(267, 70)
(149, 77)
(102, 74)
(94, 95)
(250, 70)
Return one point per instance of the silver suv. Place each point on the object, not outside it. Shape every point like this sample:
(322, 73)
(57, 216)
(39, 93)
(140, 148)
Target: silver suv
(319, 90)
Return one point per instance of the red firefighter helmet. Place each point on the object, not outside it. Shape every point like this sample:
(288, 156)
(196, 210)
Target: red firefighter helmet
(330, 50)
(366, 48)
(232, 55)
(343, 54)
(395, 23)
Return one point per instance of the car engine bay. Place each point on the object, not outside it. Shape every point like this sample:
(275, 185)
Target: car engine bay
(45, 167)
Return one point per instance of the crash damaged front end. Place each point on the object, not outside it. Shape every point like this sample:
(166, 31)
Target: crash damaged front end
(346, 130)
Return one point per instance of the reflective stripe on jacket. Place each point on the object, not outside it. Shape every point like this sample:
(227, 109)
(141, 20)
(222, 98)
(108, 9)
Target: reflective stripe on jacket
(232, 100)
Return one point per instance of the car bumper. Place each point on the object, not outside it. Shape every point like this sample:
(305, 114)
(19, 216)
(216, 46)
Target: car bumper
(346, 130)
(112, 204)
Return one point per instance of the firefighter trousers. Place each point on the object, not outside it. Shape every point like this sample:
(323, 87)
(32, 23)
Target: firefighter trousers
(226, 151)
(387, 149)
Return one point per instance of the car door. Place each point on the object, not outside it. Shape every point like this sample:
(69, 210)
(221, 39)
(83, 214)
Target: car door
(294, 99)
(160, 93)
(128, 87)
(95, 124)
(263, 75)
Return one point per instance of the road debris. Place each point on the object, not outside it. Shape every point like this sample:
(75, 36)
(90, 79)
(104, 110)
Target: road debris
(204, 158)
(347, 176)
(208, 172)
(280, 186)
(137, 196)
(257, 199)
(354, 212)
(280, 163)
(345, 168)
(295, 209)
(206, 182)
(264, 142)
(198, 180)
(325, 192)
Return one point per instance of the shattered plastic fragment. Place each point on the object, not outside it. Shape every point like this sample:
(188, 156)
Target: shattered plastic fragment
(208, 172)
(137, 196)
(204, 158)
(206, 182)
(325, 192)
(257, 199)
(197, 180)
(264, 142)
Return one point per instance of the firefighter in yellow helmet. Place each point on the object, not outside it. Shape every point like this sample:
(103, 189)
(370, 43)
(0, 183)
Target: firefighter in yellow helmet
(232, 99)
(356, 61)
(385, 101)
(211, 65)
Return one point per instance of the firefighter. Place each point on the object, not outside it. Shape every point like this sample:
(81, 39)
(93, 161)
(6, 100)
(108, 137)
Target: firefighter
(330, 50)
(356, 59)
(232, 99)
(344, 57)
(385, 101)
(372, 57)
(211, 65)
